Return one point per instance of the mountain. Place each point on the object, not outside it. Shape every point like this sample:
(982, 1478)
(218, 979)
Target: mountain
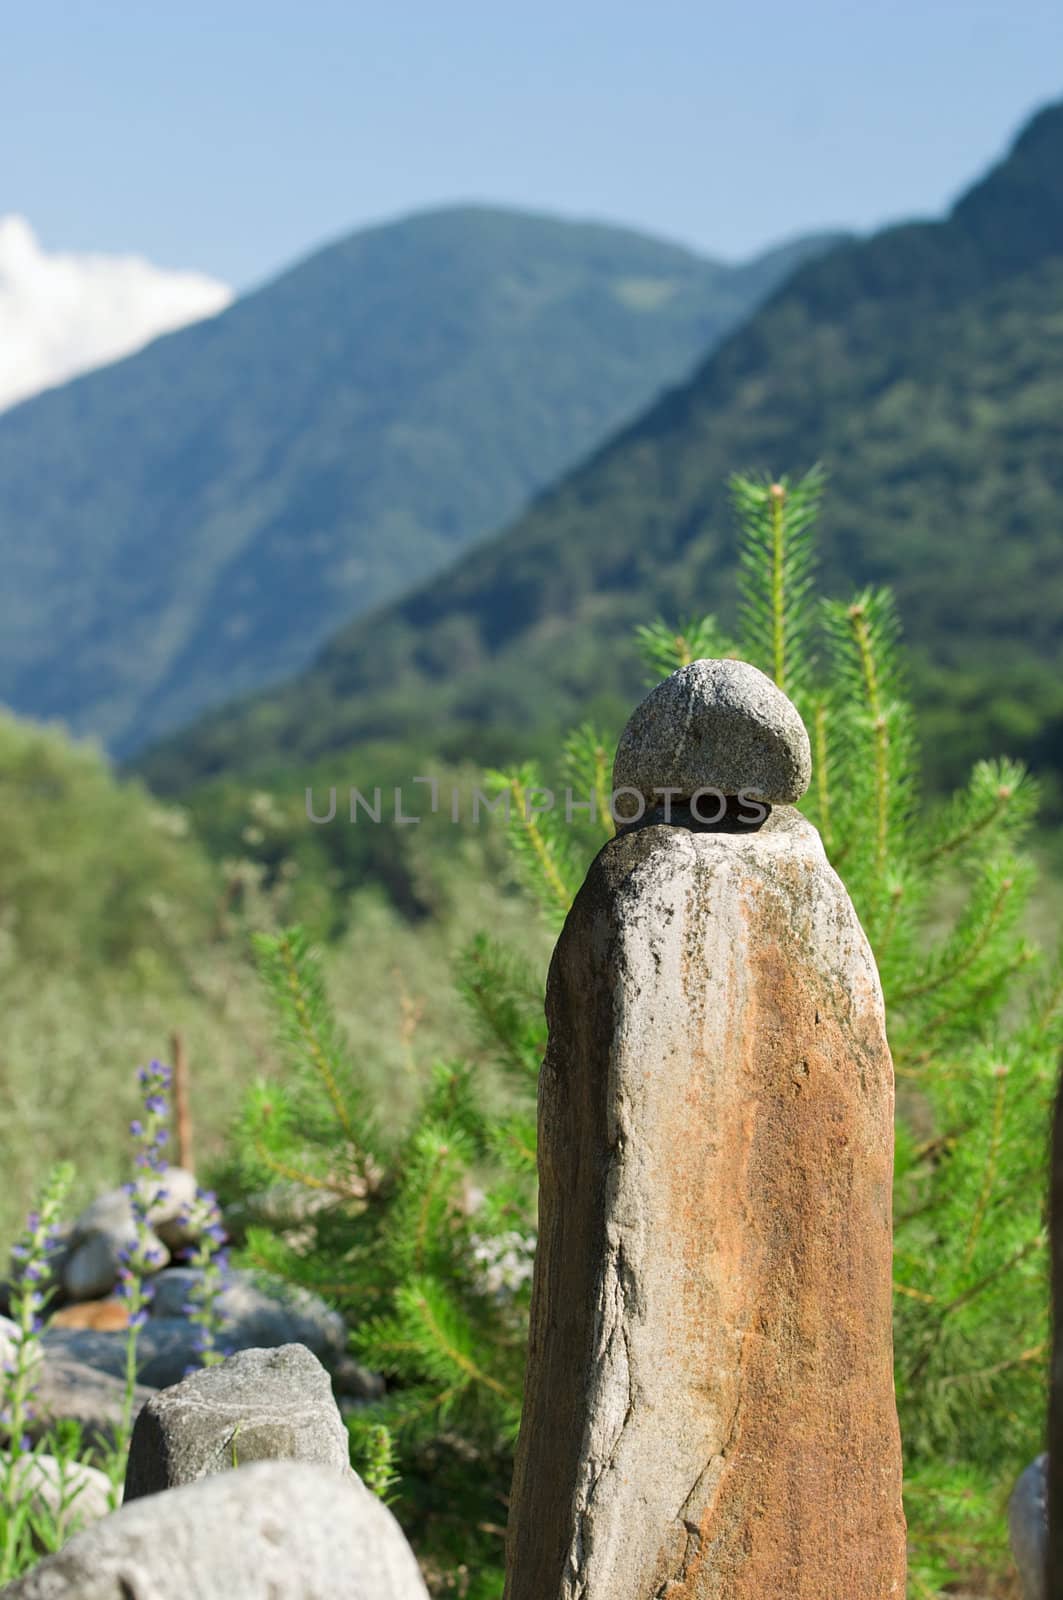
(64, 312)
(922, 366)
(196, 520)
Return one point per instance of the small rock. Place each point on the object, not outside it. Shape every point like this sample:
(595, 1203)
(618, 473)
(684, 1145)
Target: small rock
(257, 1318)
(273, 1530)
(91, 1269)
(264, 1405)
(720, 725)
(73, 1493)
(113, 1210)
(103, 1315)
(352, 1380)
(167, 1344)
(1028, 1527)
(166, 1347)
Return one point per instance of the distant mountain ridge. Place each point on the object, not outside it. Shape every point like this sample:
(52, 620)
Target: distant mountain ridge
(923, 366)
(195, 521)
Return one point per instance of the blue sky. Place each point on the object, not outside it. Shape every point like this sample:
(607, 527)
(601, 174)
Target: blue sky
(236, 137)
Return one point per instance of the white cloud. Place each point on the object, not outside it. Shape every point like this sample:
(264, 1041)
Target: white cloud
(61, 314)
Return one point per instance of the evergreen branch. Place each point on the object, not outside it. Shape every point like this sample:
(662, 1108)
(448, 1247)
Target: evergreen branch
(586, 765)
(311, 1038)
(428, 1194)
(507, 1006)
(291, 973)
(998, 1272)
(980, 819)
(821, 774)
(778, 591)
(914, 1294)
(990, 1169)
(548, 865)
(300, 1175)
(665, 649)
(966, 959)
(442, 1337)
(998, 1367)
(453, 1352)
(862, 636)
(776, 557)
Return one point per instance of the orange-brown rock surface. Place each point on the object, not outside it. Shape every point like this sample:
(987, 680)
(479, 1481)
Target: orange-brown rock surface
(709, 1409)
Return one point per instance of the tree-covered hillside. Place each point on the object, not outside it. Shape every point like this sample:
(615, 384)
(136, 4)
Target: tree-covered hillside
(194, 522)
(923, 367)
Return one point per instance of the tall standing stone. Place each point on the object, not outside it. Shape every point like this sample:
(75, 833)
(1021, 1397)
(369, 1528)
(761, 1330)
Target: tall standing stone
(709, 1410)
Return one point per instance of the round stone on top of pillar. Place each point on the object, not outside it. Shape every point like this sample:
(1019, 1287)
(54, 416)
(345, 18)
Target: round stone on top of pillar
(720, 726)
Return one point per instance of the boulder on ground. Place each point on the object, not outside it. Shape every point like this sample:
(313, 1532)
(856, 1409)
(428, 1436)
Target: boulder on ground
(108, 1225)
(355, 1382)
(92, 1268)
(166, 1348)
(114, 1209)
(259, 1405)
(257, 1317)
(273, 1530)
(1028, 1527)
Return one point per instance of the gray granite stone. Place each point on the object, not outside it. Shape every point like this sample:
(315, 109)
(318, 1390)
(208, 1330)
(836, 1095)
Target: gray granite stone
(1028, 1527)
(719, 725)
(272, 1530)
(259, 1405)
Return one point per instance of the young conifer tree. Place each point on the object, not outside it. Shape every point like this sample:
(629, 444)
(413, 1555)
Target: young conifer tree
(975, 1020)
(974, 1015)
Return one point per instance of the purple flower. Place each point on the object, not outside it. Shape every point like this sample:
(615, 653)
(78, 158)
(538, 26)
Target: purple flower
(136, 1127)
(161, 1136)
(138, 1319)
(155, 1104)
(33, 1221)
(33, 1271)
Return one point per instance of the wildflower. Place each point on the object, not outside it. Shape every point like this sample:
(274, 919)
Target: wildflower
(27, 1303)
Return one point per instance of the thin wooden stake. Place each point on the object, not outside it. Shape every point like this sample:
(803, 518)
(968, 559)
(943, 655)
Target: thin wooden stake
(181, 1103)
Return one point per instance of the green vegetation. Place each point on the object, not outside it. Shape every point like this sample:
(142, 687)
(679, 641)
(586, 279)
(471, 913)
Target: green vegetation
(117, 928)
(923, 366)
(194, 521)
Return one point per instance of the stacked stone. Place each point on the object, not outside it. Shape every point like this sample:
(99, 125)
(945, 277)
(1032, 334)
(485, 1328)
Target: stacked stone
(709, 1410)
